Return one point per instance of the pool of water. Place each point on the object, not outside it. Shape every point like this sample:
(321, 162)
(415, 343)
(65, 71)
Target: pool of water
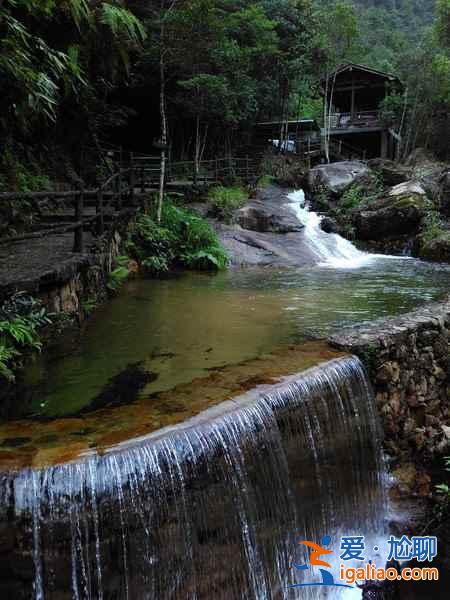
(160, 333)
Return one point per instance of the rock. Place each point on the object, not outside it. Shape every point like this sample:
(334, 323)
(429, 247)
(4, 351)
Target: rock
(398, 213)
(262, 217)
(437, 249)
(391, 173)
(444, 192)
(446, 431)
(335, 178)
(329, 225)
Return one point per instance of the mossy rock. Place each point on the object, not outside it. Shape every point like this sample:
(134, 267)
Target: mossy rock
(437, 249)
(391, 216)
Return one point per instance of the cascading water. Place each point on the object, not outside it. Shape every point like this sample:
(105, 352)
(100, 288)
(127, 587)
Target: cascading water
(331, 249)
(213, 508)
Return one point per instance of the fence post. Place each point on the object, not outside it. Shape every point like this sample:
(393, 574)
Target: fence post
(99, 212)
(142, 178)
(216, 169)
(119, 191)
(79, 210)
(247, 168)
(131, 180)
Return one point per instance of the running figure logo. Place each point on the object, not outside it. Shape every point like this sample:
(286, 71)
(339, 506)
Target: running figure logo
(314, 561)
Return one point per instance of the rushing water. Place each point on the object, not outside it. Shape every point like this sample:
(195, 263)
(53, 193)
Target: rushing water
(215, 508)
(216, 505)
(331, 249)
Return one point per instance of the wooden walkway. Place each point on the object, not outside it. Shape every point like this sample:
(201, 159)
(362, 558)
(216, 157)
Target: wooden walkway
(80, 214)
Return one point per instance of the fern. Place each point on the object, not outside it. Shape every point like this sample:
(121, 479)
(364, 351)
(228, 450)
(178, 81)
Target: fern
(122, 22)
(7, 355)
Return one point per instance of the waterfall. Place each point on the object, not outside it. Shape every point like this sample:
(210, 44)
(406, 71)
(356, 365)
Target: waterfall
(212, 508)
(331, 249)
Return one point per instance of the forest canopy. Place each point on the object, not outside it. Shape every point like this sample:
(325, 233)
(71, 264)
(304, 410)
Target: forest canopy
(77, 72)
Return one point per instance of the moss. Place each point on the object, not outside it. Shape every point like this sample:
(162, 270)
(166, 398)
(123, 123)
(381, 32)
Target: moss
(435, 248)
(417, 201)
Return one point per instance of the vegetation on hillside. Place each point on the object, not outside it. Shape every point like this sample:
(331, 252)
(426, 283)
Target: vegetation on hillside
(69, 71)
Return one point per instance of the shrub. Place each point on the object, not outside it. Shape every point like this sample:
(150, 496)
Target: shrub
(225, 200)
(183, 238)
(119, 274)
(352, 197)
(21, 318)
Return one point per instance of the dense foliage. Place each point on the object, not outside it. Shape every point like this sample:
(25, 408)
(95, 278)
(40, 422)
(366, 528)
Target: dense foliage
(182, 239)
(21, 320)
(71, 70)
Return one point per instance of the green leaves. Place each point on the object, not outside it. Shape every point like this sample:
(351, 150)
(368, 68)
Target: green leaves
(21, 318)
(122, 22)
(183, 239)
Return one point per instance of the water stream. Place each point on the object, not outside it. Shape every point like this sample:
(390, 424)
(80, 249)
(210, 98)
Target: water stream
(213, 508)
(145, 470)
(332, 249)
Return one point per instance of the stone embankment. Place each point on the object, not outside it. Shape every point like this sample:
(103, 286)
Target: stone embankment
(48, 269)
(408, 358)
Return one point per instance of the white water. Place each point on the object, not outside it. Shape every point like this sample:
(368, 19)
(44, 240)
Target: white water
(331, 249)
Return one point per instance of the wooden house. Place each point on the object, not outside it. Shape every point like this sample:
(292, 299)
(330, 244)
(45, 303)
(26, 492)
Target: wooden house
(352, 98)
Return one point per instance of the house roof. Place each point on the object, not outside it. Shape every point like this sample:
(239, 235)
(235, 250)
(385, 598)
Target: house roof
(363, 68)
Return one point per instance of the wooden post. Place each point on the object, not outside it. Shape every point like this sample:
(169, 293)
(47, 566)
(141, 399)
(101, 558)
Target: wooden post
(99, 212)
(142, 178)
(131, 179)
(79, 210)
(247, 167)
(119, 191)
(216, 169)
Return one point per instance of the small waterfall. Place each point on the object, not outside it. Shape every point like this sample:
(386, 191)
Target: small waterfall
(212, 508)
(331, 249)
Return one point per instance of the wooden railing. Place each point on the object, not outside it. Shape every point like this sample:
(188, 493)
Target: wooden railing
(358, 119)
(117, 193)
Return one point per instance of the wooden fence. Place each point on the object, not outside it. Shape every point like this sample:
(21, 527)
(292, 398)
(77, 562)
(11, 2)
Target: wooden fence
(116, 196)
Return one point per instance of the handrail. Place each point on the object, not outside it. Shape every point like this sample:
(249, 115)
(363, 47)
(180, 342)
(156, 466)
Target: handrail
(121, 183)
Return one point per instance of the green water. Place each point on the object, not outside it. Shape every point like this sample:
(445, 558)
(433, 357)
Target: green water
(180, 329)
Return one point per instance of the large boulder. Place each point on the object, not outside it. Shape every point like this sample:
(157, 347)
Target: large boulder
(398, 213)
(268, 213)
(435, 249)
(335, 178)
(257, 217)
(390, 172)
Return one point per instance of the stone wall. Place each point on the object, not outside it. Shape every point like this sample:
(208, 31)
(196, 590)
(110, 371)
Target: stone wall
(65, 289)
(408, 359)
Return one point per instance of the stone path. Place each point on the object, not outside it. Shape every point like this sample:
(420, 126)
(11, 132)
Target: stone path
(30, 264)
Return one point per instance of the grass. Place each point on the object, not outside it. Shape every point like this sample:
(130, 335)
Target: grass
(225, 200)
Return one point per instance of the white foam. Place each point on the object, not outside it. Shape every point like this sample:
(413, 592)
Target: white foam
(332, 250)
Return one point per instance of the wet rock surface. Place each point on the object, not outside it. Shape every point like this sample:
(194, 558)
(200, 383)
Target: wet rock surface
(268, 213)
(266, 232)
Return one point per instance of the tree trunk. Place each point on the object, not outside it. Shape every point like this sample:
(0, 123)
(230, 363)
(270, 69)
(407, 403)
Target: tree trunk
(162, 108)
(197, 149)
